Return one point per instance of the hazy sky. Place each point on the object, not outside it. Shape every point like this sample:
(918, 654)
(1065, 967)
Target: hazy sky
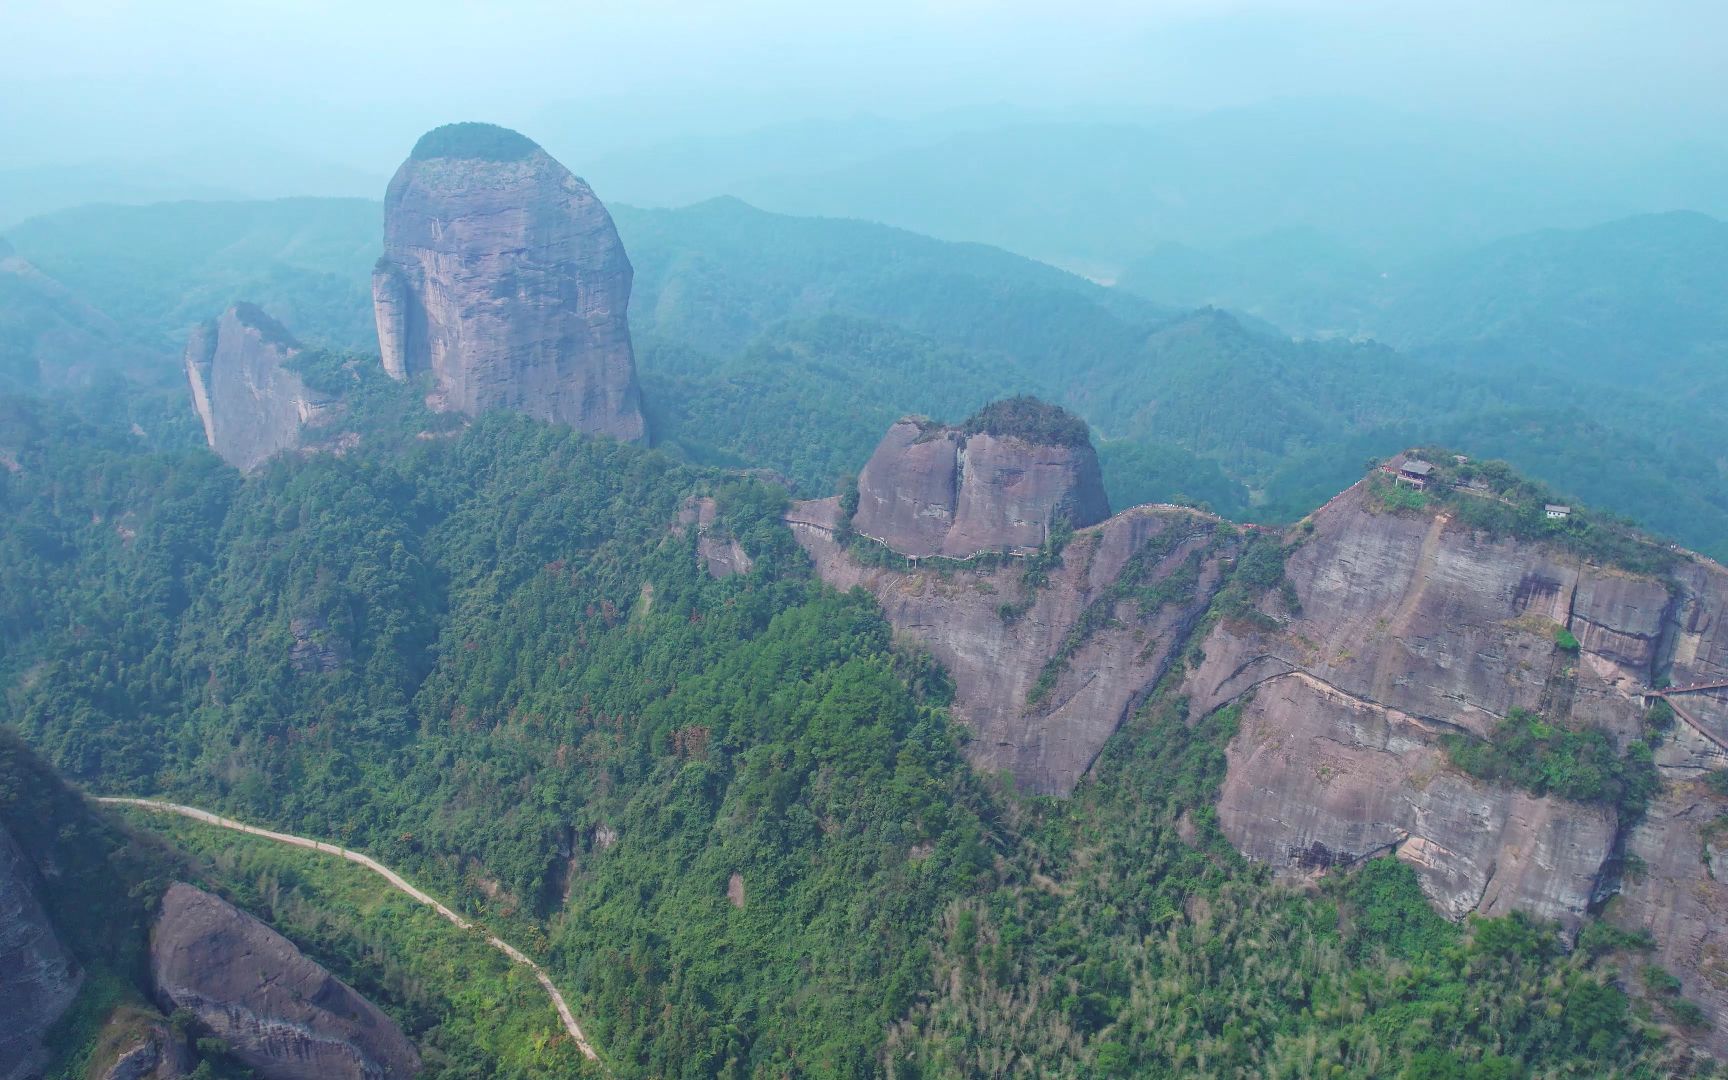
(354, 82)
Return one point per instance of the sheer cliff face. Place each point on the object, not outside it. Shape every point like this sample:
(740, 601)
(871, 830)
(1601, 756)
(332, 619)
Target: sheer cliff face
(1039, 698)
(1044, 668)
(934, 490)
(252, 406)
(38, 978)
(1412, 627)
(504, 278)
(1680, 895)
(282, 1015)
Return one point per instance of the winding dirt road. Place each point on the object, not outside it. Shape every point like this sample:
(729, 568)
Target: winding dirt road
(394, 879)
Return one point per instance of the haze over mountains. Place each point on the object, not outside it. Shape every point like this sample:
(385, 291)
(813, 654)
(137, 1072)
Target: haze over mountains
(1586, 356)
(558, 639)
(1380, 183)
(908, 541)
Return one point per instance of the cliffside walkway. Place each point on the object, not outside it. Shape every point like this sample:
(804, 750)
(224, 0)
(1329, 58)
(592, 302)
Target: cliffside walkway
(1694, 688)
(1667, 694)
(395, 879)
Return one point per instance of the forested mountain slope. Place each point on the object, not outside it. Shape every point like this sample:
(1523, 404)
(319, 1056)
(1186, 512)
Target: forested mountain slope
(729, 812)
(48, 336)
(1610, 336)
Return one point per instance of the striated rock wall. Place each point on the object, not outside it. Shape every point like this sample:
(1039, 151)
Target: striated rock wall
(934, 490)
(1411, 626)
(504, 278)
(1680, 895)
(252, 407)
(1392, 631)
(1695, 652)
(38, 978)
(1047, 738)
(280, 1013)
(1318, 778)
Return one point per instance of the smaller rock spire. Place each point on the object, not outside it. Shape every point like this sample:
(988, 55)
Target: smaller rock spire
(999, 482)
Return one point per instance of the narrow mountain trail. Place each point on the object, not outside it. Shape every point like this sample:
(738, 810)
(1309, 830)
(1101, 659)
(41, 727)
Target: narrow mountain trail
(396, 880)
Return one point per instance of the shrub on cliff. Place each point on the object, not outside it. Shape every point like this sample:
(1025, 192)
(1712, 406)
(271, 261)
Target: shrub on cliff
(1544, 758)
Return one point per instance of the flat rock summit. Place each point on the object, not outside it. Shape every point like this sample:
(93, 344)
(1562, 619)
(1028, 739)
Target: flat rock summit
(504, 278)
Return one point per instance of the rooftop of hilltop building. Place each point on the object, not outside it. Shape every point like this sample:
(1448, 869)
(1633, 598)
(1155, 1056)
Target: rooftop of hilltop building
(474, 141)
(1495, 498)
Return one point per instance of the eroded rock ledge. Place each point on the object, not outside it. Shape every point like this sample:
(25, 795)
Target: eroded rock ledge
(1049, 652)
(1391, 631)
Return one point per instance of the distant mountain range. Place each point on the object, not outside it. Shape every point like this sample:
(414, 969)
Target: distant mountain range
(1583, 356)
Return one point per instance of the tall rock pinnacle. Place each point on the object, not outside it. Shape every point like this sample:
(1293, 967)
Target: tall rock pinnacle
(504, 278)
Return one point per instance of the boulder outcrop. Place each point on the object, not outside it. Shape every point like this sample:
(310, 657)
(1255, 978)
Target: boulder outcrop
(281, 1014)
(931, 489)
(252, 404)
(504, 278)
(38, 977)
(717, 551)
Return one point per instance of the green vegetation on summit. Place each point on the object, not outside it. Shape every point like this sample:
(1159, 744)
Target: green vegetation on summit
(473, 141)
(1025, 417)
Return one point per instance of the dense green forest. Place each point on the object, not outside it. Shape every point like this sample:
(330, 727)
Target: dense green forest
(1592, 361)
(730, 815)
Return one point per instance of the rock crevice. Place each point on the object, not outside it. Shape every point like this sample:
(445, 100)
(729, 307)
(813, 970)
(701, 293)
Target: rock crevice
(932, 490)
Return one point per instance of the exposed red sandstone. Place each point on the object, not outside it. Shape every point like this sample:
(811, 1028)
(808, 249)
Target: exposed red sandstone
(504, 278)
